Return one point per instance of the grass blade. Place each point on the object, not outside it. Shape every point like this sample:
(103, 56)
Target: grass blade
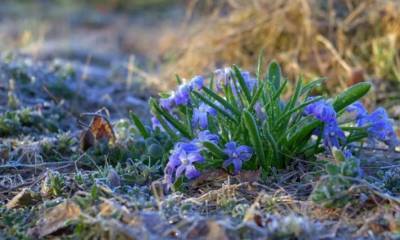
(139, 125)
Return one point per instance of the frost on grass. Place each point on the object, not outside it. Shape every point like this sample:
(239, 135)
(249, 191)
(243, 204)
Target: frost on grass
(212, 164)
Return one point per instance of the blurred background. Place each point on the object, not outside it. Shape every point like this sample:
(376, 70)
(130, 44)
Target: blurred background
(151, 41)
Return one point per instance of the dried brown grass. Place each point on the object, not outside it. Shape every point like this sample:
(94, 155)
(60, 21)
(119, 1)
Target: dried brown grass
(345, 40)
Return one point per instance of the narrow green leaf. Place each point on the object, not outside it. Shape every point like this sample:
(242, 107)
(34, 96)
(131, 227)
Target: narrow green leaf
(188, 116)
(215, 150)
(274, 75)
(164, 124)
(255, 138)
(295, 97)
(259, 65)
(311, 85)
(179, 126)
(304, 132)
(351, 95)
(295, 109)
(178, 79)
(213, 105)
(139, 125)
(256, 96)
(274, 146)
(221, 100)
(242, 83)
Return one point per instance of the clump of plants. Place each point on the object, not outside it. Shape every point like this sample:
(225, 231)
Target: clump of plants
(233, 120)
(19, 121)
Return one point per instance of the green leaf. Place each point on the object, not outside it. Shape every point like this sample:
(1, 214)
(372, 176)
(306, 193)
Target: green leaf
(256, 96)
(179, 126)
(188, 116)
(332, 169)
(303, 132)
(139, 125)
(259, 65)
(221, 100)
(311, 85)
(255, 139)
(303, 105)
(215, 150)
(351, 95)
(178, 79)
(213, 105)
(274, 146)
(296, 95)
(242, 83)
(154, 110)
(274, 75)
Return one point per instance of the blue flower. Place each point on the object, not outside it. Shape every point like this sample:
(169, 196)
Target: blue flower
(223, 78)
(359, 110)
(155, 123)
(251, 82)
(169, 102)
(200, 115)
(379, 127)
(260, 111)
(378, 124)
(177, 98)
(331, 133)
(182, 96)
(197, 83)
(181, 160)
(236, 155)
(321, 110)
(205, 136)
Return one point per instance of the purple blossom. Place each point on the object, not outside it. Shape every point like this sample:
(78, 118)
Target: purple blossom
(379, 127)
(378, 124)
(181, 160)
(359, 110)
(321, 110)
(205, 136)
(332, 133)
(182, 96)
(251, 82)
(223, 78)
(197, 83)
(169, 102)
(236, 155)
(324, 111)
(260, 111)
(177, 98)
(155, 123)
(200, 115)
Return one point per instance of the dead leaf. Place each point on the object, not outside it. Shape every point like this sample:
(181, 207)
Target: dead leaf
(87, 140)
(56, 219)
(101, 128)
(24, 198)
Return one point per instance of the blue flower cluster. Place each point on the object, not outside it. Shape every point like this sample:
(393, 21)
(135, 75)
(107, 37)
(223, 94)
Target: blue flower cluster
(186, 154)
(222, 114)
(224, 78)
(182, 95)
(377, 123)
(331, 133)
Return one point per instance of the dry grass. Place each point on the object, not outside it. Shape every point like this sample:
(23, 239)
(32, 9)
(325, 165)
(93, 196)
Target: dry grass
(345, 40)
